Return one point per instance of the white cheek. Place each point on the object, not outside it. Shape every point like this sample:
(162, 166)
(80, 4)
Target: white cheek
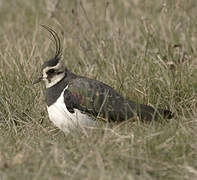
(44, 75)
(54, 80)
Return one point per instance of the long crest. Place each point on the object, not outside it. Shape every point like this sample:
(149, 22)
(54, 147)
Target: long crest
(58, 48)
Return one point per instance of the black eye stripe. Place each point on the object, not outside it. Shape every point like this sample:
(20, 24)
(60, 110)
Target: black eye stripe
(60, 72)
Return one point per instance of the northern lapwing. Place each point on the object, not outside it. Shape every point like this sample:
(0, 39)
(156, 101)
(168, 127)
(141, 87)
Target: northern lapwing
(77, 101)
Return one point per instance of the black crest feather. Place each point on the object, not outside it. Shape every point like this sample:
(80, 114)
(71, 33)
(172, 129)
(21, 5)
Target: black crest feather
(58, 48)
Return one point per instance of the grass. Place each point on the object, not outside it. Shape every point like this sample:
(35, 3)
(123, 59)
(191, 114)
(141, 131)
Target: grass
(146, 50)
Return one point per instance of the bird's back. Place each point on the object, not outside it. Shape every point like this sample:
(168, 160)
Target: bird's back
(101, 100)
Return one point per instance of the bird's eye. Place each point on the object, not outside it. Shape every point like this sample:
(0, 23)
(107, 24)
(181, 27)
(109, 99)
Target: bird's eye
(50, 71)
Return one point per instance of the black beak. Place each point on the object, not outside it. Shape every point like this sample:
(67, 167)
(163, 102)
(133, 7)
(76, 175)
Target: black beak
(37, 80)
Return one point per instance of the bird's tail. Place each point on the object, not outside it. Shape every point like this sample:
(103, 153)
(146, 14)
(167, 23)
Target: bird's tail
(146, 112)
(167, 114)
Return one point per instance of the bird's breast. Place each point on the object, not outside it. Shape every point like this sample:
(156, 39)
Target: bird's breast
(63, 119)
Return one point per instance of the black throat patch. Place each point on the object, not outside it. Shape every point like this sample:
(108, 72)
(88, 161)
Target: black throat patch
(54, 92)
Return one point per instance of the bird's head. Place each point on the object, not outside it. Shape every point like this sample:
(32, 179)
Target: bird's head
(53, 70)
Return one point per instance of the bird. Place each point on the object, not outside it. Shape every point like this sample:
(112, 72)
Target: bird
(75, 101)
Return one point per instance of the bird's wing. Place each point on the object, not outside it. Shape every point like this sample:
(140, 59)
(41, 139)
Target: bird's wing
(96, 98)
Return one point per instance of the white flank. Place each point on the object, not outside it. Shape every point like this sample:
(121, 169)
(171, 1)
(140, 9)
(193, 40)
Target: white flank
(63, 119)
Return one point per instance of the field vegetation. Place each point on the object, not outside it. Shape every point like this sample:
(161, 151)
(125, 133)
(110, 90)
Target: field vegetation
(145, 49)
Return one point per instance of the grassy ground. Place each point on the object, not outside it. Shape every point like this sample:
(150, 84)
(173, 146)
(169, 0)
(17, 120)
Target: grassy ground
(146, 50)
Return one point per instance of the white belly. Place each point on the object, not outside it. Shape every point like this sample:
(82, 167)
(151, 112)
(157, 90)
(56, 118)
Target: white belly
(66, 121)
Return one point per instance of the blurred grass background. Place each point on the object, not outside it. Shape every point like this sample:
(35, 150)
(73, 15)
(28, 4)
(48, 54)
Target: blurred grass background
(144, 49)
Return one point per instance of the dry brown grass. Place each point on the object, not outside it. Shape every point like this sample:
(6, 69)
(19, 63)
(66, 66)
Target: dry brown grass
(146, 50)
